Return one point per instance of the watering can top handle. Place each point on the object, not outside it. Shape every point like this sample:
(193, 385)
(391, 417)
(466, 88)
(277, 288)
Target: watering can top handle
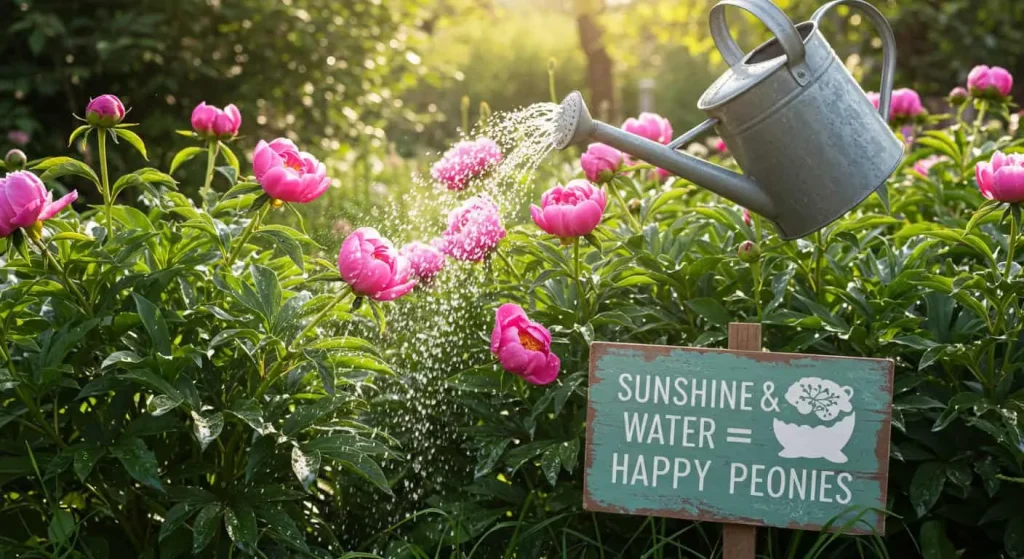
(775, 20)
(888, 46)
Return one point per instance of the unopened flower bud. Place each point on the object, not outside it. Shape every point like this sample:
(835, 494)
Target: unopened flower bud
(105, 111)
(749, 251)
(634, 206)
(15, 160)
(958, 96)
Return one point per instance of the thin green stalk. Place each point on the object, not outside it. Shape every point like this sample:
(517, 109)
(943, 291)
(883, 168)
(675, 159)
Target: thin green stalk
(508, 264)
(519, 524)
(551, 80)
(251, 228)
(320, 316)
(67, 281)
(212, 151)
(819, 253)
(581, 312)
(1012, 247)
(108, 201)
(597, 535)
(625, 207)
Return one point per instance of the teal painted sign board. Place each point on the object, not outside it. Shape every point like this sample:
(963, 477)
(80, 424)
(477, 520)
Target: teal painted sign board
(744, 437)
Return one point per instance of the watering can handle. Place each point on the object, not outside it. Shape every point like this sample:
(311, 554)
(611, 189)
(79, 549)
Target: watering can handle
(888, 46)
(775, 20)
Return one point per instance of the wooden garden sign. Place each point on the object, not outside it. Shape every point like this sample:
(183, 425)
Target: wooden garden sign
(739, 437)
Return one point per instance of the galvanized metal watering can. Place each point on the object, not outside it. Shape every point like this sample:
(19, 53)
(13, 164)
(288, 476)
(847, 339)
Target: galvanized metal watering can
(810, 142)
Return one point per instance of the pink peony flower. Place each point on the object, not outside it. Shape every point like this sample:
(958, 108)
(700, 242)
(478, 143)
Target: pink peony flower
(989, 82)
(24, 201)
(19, 138)
(655, 128)
(600, 162)
(958, 95)
(573, 210)
(1002, 178)
(924, 166)
(288, 174)
(210, 121)
(465, 161)
(105, 111)
(523, 347)
(426, 260)
(719, 145)
(372, 266)
(651, 126)
(905, 104)
(474, 230)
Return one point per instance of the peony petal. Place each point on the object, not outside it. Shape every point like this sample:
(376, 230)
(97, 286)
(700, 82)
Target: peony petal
(28, 215)
(282, 183)
(1008, 184)
(546, 373)
(395, 292)
(52, 208)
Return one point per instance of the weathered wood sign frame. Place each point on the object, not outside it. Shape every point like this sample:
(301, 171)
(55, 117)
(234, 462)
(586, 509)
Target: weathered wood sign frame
(762, 436)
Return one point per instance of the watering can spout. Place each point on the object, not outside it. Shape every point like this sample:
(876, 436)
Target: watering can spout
(576, 126)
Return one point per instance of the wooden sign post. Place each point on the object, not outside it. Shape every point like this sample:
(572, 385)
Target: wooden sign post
(739, 436)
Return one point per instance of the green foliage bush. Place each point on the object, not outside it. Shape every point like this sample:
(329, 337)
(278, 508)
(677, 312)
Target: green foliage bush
(162, 393)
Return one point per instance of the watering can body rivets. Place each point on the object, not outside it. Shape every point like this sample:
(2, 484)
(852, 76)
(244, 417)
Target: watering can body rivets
(811, 145)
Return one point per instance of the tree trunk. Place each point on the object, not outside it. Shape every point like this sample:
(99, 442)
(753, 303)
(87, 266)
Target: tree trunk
(599, 64)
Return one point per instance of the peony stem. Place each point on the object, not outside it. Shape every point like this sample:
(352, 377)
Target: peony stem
(320, 316)
(625, 207)
(1012, 246)
(212, 150)
(108, 202)
(251, 228)
(60, 269)
(578, 272)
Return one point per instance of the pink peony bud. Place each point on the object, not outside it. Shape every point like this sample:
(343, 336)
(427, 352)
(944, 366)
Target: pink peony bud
(573, 210)
(746, 217)
(288, 174)
(985, 82)
(426, 260)
(211, 122)
(474, 230)
(466, 161)
(748, 251)
(15, 160)
(958, 96)
(24, 201)
(372, 266)
(523, 347)
(600, 162)
(719, 145)
(104, 111)
(1002, 178)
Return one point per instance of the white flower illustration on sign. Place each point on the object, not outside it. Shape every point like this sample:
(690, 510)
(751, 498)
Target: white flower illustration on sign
(822, 397)
(825, 399)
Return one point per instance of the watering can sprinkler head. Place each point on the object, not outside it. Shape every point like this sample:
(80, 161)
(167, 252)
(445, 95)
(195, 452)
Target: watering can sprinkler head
(575, 125)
